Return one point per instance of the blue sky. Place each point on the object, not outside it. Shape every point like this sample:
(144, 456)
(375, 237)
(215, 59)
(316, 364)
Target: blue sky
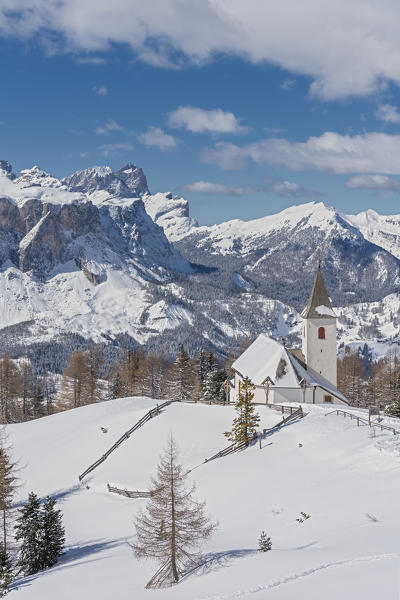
(243, 113)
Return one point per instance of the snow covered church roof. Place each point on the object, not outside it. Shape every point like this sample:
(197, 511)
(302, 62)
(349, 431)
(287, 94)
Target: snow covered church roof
(314, 380)
(266, 358)
(318, 306)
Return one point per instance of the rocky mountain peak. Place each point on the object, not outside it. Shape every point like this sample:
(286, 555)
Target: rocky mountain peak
(37, 177)
(6, 169)
(127, 182)
(134, 179)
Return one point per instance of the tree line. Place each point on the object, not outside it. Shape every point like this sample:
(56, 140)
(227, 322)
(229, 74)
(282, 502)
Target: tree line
(25, 395)
(367, 382)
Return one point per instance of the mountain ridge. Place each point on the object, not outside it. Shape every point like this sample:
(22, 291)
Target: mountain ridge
(96, 255)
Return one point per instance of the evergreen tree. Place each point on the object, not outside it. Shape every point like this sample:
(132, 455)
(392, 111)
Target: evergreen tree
(9, 388)
(181, 377)
(393, 409)
(27, 381)
(38, 409)
(204, 364)
(244, 425)
(94, 363)
(52, 537)
(264, 542)
(6, 572)
(28, 530)
(117, 388)
(132, 372)
(174, 523)
(213, 387)
(8, 485)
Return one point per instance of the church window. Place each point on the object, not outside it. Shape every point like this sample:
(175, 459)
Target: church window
(321, 333)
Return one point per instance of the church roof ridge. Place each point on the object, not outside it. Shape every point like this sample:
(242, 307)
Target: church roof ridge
(319, 305)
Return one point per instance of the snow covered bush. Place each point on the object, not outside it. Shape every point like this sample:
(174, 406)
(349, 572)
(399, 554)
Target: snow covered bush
(264, 542)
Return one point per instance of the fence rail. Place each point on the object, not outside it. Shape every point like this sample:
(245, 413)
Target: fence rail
(128, 493)
(149, 415)
(363, 421)
(294, 413)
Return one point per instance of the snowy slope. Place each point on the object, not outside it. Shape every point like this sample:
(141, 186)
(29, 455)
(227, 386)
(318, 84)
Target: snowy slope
(383, 230)
(340, 476)
(171, 212)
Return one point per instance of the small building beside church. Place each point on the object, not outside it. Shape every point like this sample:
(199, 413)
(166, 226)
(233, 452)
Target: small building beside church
(308, 374)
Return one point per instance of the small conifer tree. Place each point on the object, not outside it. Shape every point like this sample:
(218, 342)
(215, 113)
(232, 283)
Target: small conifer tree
(41, 532)
(244, 425)
(180, 384)
(213, 387)
(28, 531)
(52, 533)
(264, 542)
(393, 409)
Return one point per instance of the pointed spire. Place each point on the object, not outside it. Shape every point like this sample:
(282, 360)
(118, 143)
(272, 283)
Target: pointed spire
(318, 299)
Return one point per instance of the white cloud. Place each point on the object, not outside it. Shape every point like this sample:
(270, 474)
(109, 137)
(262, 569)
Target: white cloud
(331, 151)
(100, 90)
(198, 120)
(208, 187)
(91, 60)
(280, 187)
(110, 149)
(287, 84)
(377, 183)
(389, 113)
(108, 126)
(346, 47)
(155, 136)
(290, 189)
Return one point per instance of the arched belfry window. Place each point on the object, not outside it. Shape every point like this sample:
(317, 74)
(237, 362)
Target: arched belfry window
(321, 333)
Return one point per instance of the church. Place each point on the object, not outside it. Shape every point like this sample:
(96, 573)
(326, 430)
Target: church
(308, 374)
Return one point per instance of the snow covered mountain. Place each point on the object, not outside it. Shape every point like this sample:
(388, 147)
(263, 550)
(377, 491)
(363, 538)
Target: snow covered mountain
(277, 255)
(382, 230)
(95, 255)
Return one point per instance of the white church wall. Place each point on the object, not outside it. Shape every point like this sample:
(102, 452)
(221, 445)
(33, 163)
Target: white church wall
(320, 354)
(282, 395)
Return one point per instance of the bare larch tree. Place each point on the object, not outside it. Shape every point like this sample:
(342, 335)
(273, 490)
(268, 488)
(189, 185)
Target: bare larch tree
(173, 524)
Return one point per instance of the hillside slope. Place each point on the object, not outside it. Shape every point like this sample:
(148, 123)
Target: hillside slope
(341, 476)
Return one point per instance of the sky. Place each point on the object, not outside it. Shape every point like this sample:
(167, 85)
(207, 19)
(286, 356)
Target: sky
(242, 108)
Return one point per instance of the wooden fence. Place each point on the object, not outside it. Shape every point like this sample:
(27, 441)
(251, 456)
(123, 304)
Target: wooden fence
(149, 415)
(363, 421)
(294, 413)
(128, 493)
(292, 410)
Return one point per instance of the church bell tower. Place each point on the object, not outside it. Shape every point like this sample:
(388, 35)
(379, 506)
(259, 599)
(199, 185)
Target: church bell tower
(319, 333)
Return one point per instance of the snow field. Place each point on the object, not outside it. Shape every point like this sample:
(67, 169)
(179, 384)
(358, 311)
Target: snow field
(339, 476)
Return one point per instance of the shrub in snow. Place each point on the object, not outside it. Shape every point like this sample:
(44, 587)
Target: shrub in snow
(303, 517)
(393, 410)
(264, 542)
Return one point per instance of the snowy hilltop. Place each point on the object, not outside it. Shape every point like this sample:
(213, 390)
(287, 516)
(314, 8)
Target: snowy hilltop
(335, 473)
(97, 256)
